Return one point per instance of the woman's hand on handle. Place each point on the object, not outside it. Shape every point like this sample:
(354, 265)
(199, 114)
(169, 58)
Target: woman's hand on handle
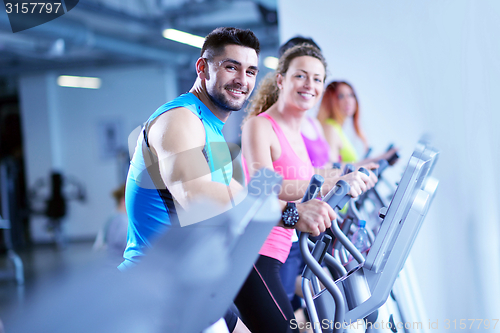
(314, 217)
(358, 181)
(373, 179)
(370, 166)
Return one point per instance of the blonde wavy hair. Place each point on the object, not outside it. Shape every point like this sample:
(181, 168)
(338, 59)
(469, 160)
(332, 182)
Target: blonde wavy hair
(267, 92)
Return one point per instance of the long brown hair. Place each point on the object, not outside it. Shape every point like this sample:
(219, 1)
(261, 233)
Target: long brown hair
(328, 109)
(267, 92)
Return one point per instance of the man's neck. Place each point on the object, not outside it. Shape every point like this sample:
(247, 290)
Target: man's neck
(200, 91)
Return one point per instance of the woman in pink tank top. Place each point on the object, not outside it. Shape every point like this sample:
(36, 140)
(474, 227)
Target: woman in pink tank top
(291, 166)
(271, 138)
(318, 148)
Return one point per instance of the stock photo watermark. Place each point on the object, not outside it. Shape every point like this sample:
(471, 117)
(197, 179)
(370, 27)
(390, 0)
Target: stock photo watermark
(226, 161)
(446, 324)
(26, 14)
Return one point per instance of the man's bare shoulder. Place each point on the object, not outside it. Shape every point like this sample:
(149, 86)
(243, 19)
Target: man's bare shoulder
(172, 118)
(176, 129)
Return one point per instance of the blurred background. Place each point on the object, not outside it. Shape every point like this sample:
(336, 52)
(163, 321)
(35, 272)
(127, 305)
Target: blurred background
(73, 90)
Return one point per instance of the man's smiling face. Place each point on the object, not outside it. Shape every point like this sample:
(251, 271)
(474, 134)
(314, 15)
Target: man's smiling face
(231, 77)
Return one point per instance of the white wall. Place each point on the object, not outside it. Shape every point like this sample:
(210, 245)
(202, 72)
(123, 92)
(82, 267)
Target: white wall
(428, 67)
(61, 131)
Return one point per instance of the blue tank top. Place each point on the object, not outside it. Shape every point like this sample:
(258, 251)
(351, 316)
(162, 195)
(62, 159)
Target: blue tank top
(150, 206)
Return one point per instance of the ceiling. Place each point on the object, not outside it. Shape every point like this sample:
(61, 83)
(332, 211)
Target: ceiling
(116, 32)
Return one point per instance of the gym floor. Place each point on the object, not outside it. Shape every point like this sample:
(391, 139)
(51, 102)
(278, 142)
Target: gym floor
(42, 264)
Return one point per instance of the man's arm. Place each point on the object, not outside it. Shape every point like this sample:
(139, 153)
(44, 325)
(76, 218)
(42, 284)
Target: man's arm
(177, 137)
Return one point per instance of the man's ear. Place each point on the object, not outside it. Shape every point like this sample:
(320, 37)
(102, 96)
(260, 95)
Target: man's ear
(202, 68)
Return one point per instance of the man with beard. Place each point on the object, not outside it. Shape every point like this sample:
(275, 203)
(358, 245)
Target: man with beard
(181, 154)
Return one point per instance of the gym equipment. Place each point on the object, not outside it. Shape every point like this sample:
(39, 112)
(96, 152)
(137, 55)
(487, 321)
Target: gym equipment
(391, 160)
(354, 212)
(405, 302)
(184, 284)
(406, 291)
(368, 152)
(367, 286)
(320, 306)
(54, 207)
(17, 263)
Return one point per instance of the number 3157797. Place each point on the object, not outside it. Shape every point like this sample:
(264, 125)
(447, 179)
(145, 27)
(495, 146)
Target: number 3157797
(32, 7)
(474, 323)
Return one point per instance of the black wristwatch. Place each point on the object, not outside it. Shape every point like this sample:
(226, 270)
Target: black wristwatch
(290, 215)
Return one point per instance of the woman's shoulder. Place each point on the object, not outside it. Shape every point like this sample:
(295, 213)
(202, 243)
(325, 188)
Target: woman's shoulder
(311, 128)
(315, 121)
(257, 123)
(332, 134)
(259, 129)
(331, 122)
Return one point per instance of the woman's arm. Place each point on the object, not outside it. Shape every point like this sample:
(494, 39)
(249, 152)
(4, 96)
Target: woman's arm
(328, 172)
(257, 140)
(385, 156)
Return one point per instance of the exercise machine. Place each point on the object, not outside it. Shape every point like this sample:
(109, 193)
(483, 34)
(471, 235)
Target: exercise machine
(356, 294)
(6, 185)
(184, 284)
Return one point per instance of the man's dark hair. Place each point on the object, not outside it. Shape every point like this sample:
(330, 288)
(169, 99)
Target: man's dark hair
(216, 41)
(296, 41)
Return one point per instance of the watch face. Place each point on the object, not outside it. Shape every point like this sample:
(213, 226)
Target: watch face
(290, 216)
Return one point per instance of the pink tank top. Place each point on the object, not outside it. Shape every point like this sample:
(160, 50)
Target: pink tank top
(290, 166)
(318, 149)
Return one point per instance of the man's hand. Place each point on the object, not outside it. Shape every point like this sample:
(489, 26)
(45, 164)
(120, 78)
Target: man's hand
(314, 217)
